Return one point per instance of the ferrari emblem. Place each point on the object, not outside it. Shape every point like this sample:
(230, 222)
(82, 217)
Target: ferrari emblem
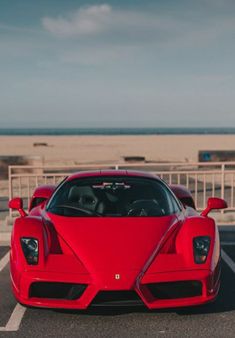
(117, 276)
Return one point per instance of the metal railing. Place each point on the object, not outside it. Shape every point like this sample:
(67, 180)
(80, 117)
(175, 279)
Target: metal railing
(202, 179)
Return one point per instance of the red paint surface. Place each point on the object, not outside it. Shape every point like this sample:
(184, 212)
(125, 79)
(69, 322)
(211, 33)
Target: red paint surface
(92, 250)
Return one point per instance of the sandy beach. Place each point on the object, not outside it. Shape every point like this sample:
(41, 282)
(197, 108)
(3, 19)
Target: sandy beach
(111, 149)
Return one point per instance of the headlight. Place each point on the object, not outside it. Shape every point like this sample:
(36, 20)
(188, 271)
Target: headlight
(201, 247)
(30, 250)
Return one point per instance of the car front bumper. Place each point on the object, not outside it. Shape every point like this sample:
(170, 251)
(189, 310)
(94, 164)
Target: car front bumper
(209, 282)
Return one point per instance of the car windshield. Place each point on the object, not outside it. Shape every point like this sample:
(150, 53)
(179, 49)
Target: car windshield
(113, 197)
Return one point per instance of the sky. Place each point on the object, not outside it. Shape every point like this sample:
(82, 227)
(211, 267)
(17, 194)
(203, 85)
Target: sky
(118, 63)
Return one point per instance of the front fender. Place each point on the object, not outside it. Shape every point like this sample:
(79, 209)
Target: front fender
(49, 260)
(30, 226)
(182, 257)
(193, 227)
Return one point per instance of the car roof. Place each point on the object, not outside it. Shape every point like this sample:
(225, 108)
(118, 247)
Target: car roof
(105, 173)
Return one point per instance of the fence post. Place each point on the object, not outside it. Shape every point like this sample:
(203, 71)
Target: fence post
(222, 182)
(10, 189)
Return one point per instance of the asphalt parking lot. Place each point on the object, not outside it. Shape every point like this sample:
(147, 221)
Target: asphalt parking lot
(211, 320)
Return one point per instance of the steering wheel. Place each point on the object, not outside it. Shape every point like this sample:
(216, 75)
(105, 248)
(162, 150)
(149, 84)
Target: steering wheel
(145, 208)
(137, 212)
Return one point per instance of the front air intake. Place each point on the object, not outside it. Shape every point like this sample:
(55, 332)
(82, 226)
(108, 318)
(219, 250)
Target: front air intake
(174, 290)
(55, 290)
(117, 298)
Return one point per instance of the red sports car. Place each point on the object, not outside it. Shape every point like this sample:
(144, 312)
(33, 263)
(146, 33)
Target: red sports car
(114, 238)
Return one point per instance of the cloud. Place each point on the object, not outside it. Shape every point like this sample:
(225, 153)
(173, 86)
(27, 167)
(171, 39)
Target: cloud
(97, 19)
(85, 21)
(119, 25)
(107, 34)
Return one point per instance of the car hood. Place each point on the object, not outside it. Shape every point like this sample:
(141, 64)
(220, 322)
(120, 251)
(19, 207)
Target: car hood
(103, 243)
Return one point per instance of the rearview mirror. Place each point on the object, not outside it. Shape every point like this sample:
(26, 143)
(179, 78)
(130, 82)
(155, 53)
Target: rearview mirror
(17, 204)
(214, 203)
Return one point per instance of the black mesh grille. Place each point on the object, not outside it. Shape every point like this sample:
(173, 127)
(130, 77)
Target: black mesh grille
(56, 290)
(117, 298)
(174, 290)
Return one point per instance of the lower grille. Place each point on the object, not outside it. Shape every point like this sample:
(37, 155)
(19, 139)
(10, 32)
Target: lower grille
(117, 298)
(56, 290)
(174, 290)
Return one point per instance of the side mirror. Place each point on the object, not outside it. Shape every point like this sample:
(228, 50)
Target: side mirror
(17, 204)
(214, 203)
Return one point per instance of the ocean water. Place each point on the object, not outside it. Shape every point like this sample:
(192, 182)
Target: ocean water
(116, 131)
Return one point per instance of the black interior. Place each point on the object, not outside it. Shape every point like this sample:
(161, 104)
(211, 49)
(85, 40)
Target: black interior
(113, 196)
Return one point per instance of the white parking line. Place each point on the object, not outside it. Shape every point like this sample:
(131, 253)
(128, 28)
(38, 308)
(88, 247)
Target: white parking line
(17, 315)
(4, 261)
(228, 260)
(13, 323)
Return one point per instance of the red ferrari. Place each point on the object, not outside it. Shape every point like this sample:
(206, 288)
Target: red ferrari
(114, 238)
